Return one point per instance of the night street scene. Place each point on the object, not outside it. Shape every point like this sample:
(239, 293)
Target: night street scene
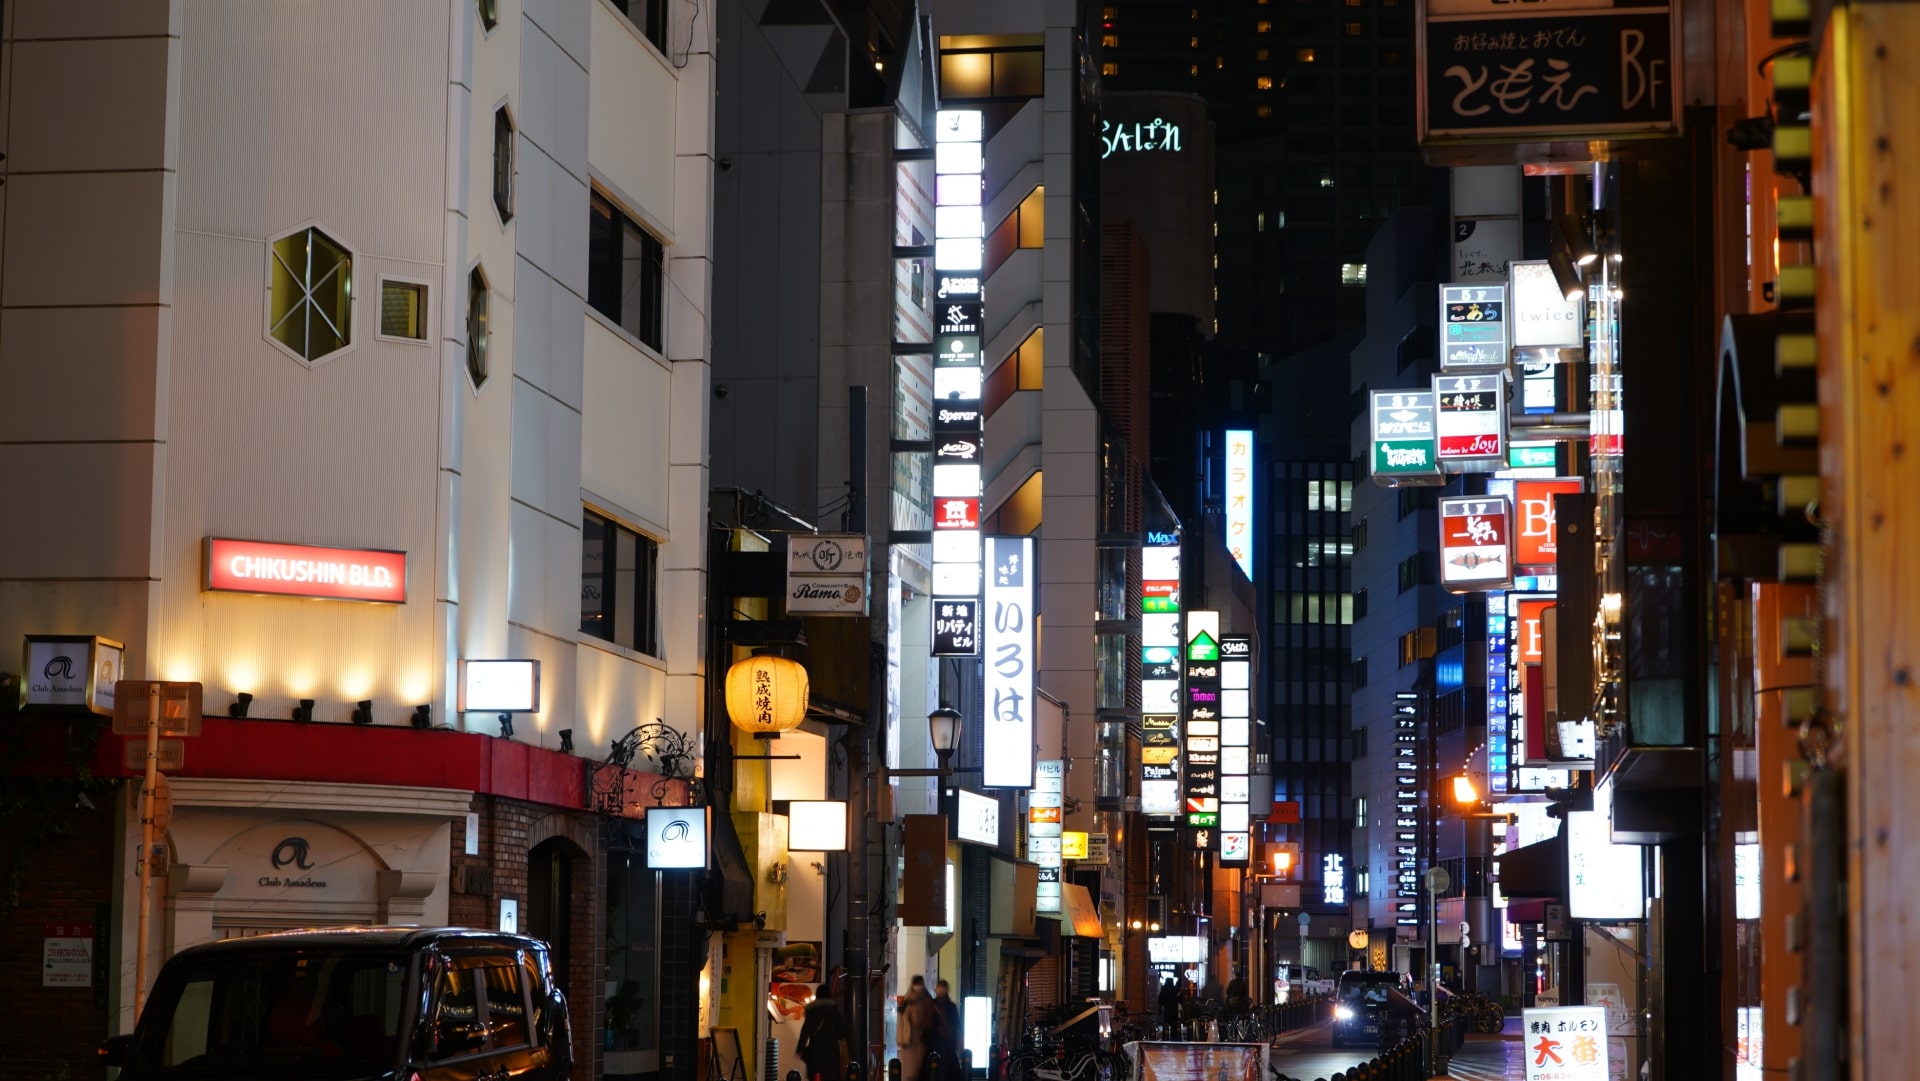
(960, 540)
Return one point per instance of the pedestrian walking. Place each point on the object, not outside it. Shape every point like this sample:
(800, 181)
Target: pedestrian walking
(951, 1042)
(916, 1021)
(823, 1035)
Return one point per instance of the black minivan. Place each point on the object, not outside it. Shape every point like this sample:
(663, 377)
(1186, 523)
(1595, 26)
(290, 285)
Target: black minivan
(353, 1004)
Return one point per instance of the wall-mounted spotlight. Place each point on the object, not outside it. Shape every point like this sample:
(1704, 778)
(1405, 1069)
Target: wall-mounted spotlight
(506, 726)
(303, 711)
(1565, 275)
(363, 711)
(566, 741)
(242, 702)
(423, 716)
(1574, 236)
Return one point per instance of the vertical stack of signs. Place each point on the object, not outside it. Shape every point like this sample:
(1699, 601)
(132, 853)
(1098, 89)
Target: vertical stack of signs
(1160, 674)
(1236, 722)
(1406, 811)
(958, 256)
(1201, 760)
(1240, 499)
(1008, 680)
(1044, 813)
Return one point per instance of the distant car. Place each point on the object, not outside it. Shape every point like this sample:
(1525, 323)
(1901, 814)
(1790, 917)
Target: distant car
(1300, 981)
(1360, 1005)
(348, 1004)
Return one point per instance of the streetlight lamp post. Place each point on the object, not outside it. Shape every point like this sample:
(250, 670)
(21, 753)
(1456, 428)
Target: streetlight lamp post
(1438, 882)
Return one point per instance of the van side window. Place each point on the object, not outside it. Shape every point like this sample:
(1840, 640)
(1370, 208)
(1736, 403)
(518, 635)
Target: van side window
(456, 1013)
(506, 1003)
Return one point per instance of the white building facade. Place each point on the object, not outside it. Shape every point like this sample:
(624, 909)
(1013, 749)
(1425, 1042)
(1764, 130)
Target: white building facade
(425, 278)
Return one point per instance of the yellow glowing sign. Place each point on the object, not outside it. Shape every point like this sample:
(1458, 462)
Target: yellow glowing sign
(1073, 845)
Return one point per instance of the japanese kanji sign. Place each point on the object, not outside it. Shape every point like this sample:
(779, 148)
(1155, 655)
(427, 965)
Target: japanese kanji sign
(1519, 76)
(1476, 543)
(1565, 1043)
(1470, 424)
(1403, 443)
(1473, 326)
(1008, 638)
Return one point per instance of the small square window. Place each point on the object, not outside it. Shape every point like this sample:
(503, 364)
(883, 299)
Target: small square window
(1263, 54)
(1110, 41)
(1304, 56)
(1193, 69)
(1263, 82)
(1354, 29)
(1263, 111)
(1353, 273)
(403, 310)
(1263, 27)
(1109, 68)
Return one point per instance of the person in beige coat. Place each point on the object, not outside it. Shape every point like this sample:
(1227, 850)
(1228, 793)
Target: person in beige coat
(918, 1019)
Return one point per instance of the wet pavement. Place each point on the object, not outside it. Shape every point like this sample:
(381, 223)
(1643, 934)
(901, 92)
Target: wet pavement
(1309, 1054)
(1490, 1058)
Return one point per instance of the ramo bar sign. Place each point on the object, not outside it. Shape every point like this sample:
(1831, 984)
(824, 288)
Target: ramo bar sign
(305, 570)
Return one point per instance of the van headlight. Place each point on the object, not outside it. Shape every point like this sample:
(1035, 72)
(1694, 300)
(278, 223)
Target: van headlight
(1342, 1013)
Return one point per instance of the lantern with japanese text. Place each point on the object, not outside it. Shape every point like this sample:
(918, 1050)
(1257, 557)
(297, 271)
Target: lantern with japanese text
(766, 695)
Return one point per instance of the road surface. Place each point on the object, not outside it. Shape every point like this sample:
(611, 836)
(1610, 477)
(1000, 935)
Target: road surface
(1308, 1054)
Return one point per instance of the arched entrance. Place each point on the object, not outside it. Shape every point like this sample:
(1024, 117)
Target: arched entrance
(550, 870)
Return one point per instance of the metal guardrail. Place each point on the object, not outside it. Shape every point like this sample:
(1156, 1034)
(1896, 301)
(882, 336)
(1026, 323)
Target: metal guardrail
(1406, 1060)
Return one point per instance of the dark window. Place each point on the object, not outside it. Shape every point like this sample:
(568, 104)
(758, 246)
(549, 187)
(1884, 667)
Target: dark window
(503, 164)
(1360, 605)
(1360, 537)
(650, 16)
(626, 273)
(619, 587)
(477, 336)
(403, 310)
(489, 13)
(258, 1011)
(1360, 680)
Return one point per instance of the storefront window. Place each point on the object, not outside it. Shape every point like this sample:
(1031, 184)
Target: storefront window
(631, 1041)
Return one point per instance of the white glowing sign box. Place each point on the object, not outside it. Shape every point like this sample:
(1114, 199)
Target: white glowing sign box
(499, 686)
(1007, 636)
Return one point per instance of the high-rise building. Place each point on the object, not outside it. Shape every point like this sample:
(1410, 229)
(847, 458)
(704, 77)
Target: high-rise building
(1312, 104)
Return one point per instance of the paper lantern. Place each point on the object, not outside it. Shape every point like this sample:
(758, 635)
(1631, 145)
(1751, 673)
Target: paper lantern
(766, 694)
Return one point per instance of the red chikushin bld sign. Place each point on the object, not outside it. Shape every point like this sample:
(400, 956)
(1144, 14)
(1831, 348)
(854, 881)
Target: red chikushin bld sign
(306, 570)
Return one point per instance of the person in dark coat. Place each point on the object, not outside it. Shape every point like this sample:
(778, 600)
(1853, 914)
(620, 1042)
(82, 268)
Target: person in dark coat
(1169, 1003)
(823, 1035)
(949, 1032)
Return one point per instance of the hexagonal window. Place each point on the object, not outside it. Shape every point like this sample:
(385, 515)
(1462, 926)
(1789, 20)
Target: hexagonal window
(477, 327)
(503, 164)
(310, 294)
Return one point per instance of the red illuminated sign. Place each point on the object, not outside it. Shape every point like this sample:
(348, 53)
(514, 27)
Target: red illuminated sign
(1476, 543)
(306, 570)
(961, 513)
(1533, 519)
(1526, 631)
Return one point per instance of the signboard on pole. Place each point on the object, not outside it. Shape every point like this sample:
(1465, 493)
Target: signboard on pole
(1470, 420)
(1404, 451)
(1539, 311)
(827, 573)
(1473, 321)
(1565, 1043)
(1476, 543)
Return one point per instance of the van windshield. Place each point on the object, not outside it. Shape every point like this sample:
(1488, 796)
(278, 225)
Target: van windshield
(313, 1014)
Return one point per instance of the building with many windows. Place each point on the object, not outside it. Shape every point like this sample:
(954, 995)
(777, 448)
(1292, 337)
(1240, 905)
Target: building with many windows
(395, 348)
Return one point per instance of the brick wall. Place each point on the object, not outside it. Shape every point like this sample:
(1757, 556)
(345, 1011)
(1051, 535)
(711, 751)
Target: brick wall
(509, 830)
(50, 1030)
